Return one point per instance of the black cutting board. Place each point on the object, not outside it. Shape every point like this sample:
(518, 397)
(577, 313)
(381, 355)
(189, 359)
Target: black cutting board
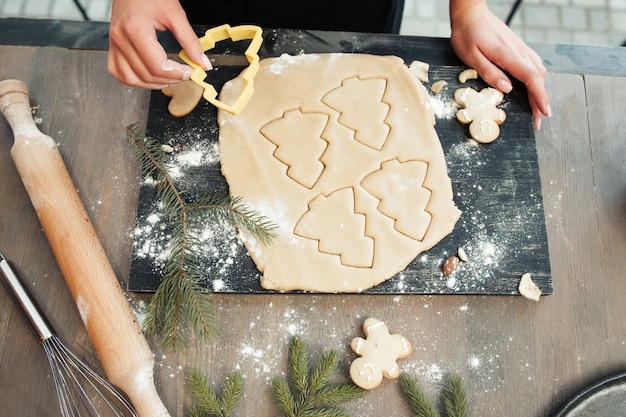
(497, 186)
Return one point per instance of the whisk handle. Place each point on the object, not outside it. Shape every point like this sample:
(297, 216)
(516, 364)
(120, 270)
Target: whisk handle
(39, 323)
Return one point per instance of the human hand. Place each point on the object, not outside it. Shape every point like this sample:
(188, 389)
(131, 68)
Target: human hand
(486, 44)
(136, 57)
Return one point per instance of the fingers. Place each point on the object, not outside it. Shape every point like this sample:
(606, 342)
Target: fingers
(536, 114)
(491, 73)
(486, 44)
(144, 64)
(136, 57)
(527, 69)
(528, 73)
(190, 43)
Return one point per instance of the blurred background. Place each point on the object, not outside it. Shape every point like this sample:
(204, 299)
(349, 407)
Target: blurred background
(583, 22)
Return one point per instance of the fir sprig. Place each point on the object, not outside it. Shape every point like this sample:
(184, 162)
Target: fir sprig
(180, 303)
(454, 397)
(206, 399)
(419, 403)
(311, 394)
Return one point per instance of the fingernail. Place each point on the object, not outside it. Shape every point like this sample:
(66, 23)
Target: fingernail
(206, 63)
(548, 111)
(504, 86)
(168, 65)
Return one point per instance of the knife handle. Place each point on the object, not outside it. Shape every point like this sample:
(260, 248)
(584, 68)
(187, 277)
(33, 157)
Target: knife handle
(121, 346)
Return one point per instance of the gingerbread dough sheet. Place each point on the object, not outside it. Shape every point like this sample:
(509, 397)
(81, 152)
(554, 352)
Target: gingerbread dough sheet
(340, 152)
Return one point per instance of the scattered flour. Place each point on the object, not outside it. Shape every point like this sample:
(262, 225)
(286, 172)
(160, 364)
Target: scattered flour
(443, 107)
(277, 67)
(139, 309)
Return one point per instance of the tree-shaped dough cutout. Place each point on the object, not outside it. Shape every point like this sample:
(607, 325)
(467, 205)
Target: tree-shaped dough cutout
(302, 152)
(400, 188)
(362, 109)
(339, 230)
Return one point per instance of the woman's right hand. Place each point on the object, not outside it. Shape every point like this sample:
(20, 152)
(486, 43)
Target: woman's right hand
(136, 58)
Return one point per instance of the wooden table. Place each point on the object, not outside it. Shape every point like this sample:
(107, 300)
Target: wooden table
(516, 357)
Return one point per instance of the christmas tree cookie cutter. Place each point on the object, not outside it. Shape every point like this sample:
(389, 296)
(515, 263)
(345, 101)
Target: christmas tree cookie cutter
(208, 41)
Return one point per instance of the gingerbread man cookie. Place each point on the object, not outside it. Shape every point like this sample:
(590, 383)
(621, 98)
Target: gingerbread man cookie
(480, 112)
(379, 352)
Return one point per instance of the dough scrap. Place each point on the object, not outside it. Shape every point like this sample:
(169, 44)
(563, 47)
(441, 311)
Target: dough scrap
(321, 150)
(468, 74)
(480, 112)
(184, 96)
(420, 69)
(528, 288)
(437, 86)
(379, 353)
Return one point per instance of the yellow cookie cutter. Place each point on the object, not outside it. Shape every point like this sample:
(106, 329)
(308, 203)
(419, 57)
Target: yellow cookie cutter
(208, 41)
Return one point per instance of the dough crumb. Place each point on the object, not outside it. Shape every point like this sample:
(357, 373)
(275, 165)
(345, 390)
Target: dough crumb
(528, 288)
(461, 254)
(468, 74)
(420, 69)
(438, 86)
(167, 148)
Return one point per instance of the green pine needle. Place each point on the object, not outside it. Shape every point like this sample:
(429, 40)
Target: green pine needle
(323, 371)
(283, 396)
(180, 305)
(299, 365)
(311, 394)
(206, 400)
(455, 398)
(419, 403)
(232, 393)
(339, 393)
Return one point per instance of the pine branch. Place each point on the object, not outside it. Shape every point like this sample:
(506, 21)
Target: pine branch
(283, 396)
(455, 398)
(231, 394)
(323, 371)
(195, 411)
(299, 366)
(419, 403)
(311, 394)
(327, 412)
(232, 210)
(180, 304)
(206, 400)
(339, 393)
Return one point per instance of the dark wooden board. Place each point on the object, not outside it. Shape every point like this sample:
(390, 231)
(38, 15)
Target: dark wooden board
(497, 186)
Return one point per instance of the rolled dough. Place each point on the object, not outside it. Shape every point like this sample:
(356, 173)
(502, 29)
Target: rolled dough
(340, 152)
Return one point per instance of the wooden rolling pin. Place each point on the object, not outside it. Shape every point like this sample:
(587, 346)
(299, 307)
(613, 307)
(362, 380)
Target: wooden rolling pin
(121, 346)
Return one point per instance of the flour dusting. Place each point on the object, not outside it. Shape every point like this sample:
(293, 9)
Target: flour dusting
(278, 65)
(443, 107)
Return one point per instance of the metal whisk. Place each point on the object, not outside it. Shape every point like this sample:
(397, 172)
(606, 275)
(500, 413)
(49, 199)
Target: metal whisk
(81, 391)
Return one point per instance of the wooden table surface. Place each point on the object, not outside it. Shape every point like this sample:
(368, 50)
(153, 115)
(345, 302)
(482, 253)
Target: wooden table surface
(516, 357)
